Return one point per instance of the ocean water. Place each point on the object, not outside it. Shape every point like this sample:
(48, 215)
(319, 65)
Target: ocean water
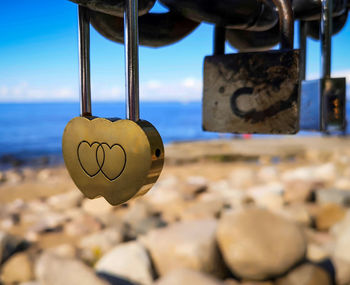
(32, 132)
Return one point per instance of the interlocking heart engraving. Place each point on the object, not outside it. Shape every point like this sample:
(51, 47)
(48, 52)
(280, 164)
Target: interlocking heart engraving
(114, 158)
(104, 155)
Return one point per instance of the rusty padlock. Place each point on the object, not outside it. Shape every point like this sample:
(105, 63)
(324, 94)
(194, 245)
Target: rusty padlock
(255, 92)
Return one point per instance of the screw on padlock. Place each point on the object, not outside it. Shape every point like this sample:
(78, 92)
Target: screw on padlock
(255, 92)
(323, 101)
(118, 159)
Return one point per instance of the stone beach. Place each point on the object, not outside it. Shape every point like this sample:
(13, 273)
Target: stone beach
(224, 212)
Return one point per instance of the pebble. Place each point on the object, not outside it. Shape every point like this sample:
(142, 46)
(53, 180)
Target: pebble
(297, 213)
(30, 283)
(95, 245)
(256, 283)
(187, 276)
(96, 207)
(167, 201)
(342, 183)
(267, 174)
(13, 176)
(82, 225)
(206, 207)
(257, 244)
(322, 173)
(127, 261)
(38, 206)
(233, 198)
(193, 186)
(328, 215)
(304, 173)
(189, 244)
(65, 250)
(138, 220)
(9, 244)
(19, 268)
(242, 177)
(65, 201)
(326, 172)
(51, 221)
(2, 177)
(307, 274)
(16, 207)
(316, 253)
(342, 271)
(54, 270)
(298, 191)
(342, 245)
(45, 175)
(268, 196)
(335, 196)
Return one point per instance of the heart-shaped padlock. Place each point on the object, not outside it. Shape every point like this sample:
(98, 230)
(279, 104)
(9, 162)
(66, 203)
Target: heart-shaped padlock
(118, 159)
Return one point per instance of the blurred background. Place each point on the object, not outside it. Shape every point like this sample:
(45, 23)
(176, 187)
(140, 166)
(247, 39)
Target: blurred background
(39, 78)
(226, 210)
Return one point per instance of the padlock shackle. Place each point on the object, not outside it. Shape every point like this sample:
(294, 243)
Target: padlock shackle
(219, 40)
(84, 61)
(131, 37)
(303, 48)
(286, 22)
(326, 37)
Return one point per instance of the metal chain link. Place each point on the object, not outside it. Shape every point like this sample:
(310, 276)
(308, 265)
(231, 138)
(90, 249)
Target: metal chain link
(250, 24)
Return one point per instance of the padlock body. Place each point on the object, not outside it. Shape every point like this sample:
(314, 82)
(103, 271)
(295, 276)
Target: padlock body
(255, 92)
(323, 105)
(114, 158)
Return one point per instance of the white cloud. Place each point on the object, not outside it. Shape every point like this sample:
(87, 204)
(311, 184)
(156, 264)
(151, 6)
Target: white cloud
(24, 92)
(185, 90)
(113, 93)
(192, 83)
(154, 84)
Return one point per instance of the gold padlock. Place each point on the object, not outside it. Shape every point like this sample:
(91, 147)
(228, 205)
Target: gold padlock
(118, 159)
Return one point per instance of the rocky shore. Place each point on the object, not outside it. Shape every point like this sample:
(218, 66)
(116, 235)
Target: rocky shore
(252, 212)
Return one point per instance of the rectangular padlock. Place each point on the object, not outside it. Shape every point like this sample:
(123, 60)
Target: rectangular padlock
(322, 106)
(323, 101)
(254, 92)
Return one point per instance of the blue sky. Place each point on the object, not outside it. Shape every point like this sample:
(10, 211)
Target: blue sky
(39, 58)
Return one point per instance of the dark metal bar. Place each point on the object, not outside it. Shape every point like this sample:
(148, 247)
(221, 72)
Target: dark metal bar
(303, 48)
(84, 61)
(219, 40)
(286, 21)
(132, 59)
(114, 7)
(326, 37)
(156, 30)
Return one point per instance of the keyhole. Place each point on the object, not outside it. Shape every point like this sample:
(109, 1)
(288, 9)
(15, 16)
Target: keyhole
(158, 152)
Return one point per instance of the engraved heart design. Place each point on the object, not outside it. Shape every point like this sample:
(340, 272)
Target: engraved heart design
(90, 157)
(114, 161)
(100, 157)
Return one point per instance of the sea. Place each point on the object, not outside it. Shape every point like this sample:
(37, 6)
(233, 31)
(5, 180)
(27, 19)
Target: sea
(31, 133)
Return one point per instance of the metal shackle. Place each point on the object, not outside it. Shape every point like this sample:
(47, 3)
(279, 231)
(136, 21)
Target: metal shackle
(131, 43)
(286, 23)
(326, 37)
(131, 60)
(286, 28)
(114, 7)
